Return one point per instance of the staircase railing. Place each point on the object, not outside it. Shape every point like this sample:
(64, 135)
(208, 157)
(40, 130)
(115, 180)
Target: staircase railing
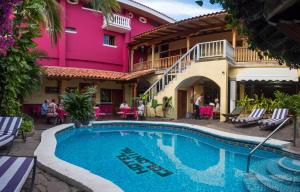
(206, 50)
(267, 138)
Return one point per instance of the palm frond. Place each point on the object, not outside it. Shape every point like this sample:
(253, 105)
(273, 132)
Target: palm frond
(107, 7)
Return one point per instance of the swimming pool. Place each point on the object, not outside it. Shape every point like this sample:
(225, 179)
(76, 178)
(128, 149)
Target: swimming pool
(139, 157)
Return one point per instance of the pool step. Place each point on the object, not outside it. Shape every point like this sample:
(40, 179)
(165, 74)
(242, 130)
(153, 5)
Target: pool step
(252, 184)
(282, 173)
(290, 164)
(269, 175)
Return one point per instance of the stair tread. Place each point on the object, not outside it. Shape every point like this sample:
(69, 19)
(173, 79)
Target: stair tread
(280, 173)
(290, 164)
(277, 186)
(252, 184)
(270, 181)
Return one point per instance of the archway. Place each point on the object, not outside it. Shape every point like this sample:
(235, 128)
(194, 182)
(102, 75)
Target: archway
(189, 89)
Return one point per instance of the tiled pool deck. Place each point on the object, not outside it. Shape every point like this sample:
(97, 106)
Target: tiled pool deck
(46, 182)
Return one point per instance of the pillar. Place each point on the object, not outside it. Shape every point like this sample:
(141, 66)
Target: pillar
(188, 43)
(152, 55)
(232, 97)
(242, 90)
(131, 58)
(134, 87)
(234, 37)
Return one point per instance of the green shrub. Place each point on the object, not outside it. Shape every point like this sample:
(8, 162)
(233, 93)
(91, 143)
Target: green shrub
(27, 123)
(154, 105)
(282, 100)
(79, 105)
(166, 105)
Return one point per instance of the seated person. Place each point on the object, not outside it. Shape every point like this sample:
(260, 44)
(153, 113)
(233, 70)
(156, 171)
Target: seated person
(44, 108)
(52, 109)
(141, 108)
(217, 106)
(124, 105)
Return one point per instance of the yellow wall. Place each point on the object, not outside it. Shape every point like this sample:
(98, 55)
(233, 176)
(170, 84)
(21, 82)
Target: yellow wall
(39, 96)
(216, 71)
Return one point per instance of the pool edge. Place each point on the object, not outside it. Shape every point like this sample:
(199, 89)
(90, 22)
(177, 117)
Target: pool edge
(74, 175)
(85, 180)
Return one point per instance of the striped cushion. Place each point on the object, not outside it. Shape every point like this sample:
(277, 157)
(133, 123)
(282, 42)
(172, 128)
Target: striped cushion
(14, 172)
(270, 122)
(9, 125)
(4, 139)
(255, 115)
(279, 115)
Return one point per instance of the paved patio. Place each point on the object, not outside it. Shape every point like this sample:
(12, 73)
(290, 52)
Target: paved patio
(48, 183)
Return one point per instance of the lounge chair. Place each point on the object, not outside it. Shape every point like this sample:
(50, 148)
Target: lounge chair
(253, 118)
(14, 170)
(9, 127)
(278, 116)
(234, 114)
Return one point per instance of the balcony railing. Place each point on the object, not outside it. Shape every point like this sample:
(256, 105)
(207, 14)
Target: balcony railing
(207, 50)
(162, 63)
(117, 23)
(244, 54)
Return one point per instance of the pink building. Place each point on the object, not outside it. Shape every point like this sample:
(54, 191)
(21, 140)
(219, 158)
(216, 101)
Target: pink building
(91, 42)
(93, 51)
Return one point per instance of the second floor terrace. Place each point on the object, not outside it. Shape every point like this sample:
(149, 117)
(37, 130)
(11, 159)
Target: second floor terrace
(160, 48)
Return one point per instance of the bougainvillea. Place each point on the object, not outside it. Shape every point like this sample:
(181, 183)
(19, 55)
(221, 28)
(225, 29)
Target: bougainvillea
(6, 17)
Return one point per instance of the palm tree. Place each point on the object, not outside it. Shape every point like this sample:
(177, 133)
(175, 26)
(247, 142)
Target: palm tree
(47, 13)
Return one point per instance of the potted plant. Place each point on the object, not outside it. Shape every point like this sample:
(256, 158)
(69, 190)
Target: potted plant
(166, 105)
(79, 106)
(154, 105)
(26, 125)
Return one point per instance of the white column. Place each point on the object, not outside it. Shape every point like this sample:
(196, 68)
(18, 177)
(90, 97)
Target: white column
(233, 90)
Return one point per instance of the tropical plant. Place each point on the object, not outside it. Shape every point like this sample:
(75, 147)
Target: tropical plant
(166, 105)
(27, 123)
(247, 103)
(154, 105)
(79, 105)
(107, 7)
(292, 102)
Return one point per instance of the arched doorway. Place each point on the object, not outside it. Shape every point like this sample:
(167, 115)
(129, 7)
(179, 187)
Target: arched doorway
(189, 89)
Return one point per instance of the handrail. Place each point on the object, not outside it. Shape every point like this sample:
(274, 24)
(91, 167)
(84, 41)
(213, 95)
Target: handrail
(205, 50)
(263, 142)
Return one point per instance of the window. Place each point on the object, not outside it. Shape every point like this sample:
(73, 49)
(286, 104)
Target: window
(105, 96)
(50, 90)
(74, 2)
(164, 51)
(70, 30)
(109, 40)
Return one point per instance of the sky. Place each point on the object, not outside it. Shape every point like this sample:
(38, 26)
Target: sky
(181, 9)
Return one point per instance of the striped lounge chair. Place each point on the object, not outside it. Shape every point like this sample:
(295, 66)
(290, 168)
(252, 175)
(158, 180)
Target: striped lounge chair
(14, 171)
(9, 127)
(278, 116)
(253, 118)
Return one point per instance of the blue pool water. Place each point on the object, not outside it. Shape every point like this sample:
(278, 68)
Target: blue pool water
(151, 159)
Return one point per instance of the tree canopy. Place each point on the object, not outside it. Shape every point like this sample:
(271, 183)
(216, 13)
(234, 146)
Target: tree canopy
(271, 26)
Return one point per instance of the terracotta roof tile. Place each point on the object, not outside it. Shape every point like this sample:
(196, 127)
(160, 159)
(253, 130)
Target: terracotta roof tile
(137, 74)
(80, 73)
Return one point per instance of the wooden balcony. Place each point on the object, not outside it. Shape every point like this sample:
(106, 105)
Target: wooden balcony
(158, 64)
(244, 54)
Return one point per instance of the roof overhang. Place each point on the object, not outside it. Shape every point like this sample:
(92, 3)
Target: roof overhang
(204, 24)
(153, 14)
(92, 74)
(267, 74)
